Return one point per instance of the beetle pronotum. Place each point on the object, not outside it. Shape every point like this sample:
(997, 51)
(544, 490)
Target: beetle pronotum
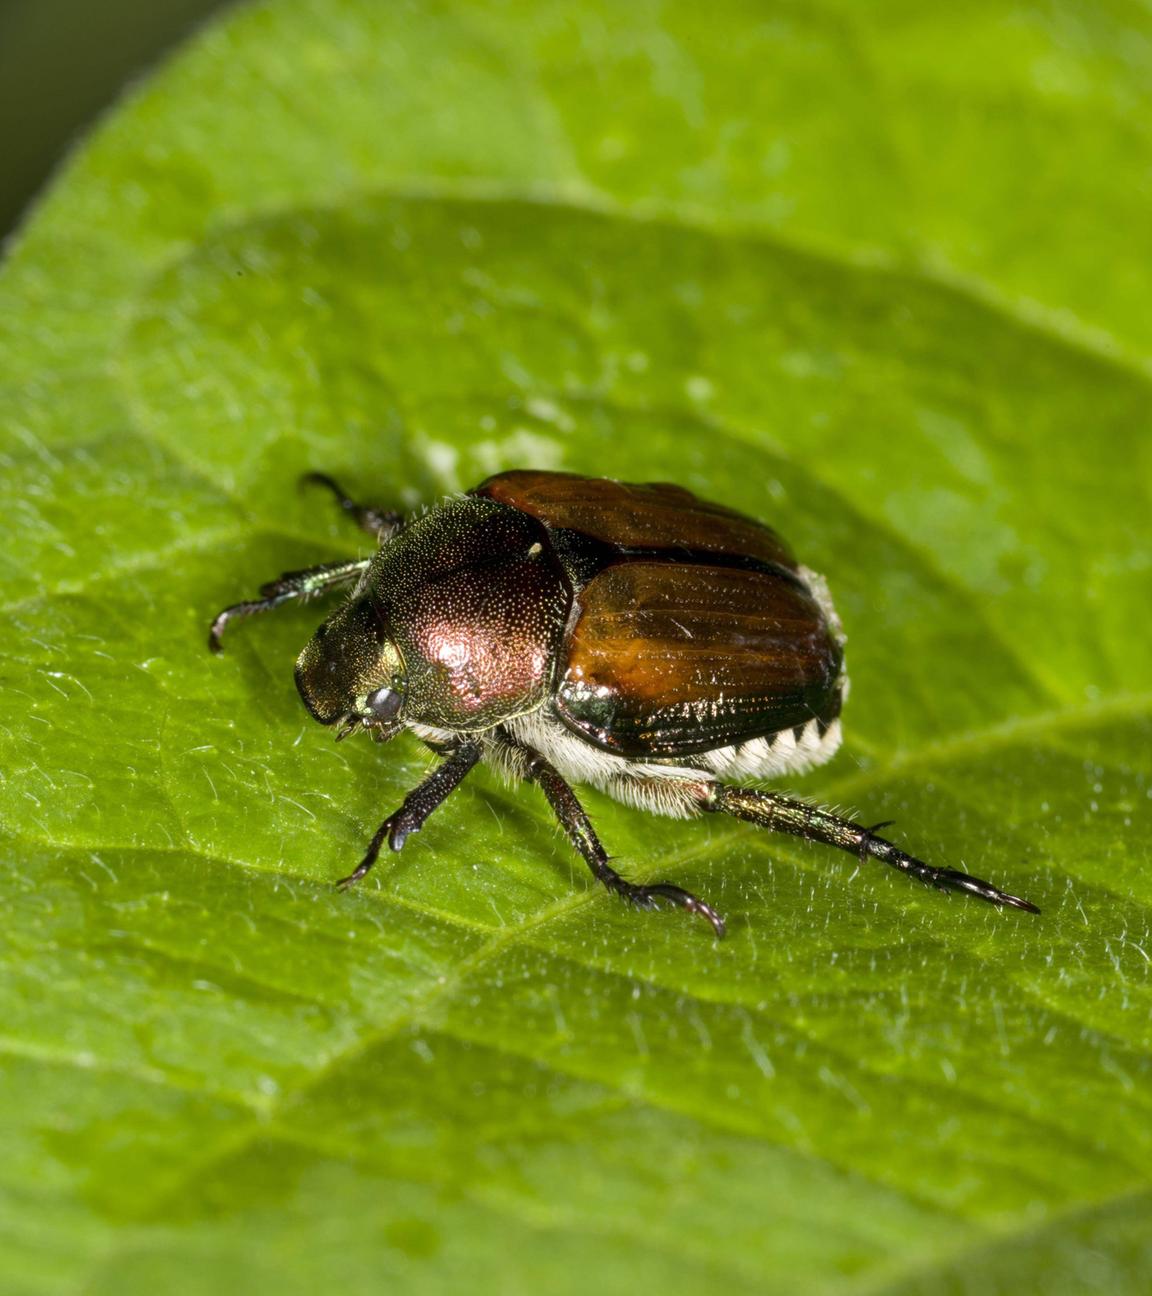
(575, 629)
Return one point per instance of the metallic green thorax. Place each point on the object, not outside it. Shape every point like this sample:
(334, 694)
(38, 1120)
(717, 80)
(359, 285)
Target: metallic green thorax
(462, 613)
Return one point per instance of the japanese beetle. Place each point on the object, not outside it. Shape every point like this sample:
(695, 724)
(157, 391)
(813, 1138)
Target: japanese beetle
(579, 630)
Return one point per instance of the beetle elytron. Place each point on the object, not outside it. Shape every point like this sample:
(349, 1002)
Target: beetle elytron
(579, 630)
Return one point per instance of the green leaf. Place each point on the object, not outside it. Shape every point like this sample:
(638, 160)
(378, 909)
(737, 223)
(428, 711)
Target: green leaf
(856, 271)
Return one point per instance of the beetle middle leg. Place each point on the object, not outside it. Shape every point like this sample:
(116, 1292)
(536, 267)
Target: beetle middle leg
(578, 828)
(801, 819)
(382, 523)
(417, 806)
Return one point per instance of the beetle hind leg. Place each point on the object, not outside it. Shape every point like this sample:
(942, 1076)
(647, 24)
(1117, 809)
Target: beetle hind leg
(799, 818)
(646, 897)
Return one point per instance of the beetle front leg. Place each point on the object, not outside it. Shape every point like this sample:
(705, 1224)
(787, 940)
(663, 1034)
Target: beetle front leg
(578, 828)
(799, 818)
(381, 523)
(417, 806)
(291, 585)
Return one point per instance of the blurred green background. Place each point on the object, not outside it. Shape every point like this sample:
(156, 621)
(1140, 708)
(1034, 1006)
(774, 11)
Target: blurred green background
(61, 63)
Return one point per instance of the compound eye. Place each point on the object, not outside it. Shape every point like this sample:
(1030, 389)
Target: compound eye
(384, 704)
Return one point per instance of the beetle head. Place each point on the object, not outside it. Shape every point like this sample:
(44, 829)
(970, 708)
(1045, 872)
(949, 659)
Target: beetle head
(351, 671)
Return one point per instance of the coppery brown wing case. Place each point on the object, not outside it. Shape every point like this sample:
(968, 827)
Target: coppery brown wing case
(641, 517)
(671, 659)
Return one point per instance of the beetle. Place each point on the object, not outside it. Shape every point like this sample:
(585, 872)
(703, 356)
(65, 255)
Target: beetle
(571, 629)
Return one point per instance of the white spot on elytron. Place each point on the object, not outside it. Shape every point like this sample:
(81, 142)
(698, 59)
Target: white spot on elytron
(535, 549)
(699, 388)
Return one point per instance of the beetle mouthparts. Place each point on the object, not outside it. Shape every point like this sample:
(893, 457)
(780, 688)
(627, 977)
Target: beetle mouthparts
(349, 727)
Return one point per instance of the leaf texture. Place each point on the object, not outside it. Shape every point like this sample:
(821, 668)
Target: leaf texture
(855, 272)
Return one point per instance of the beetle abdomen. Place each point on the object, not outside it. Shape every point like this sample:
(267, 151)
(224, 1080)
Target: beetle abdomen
(664, 786)
(792, 751)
